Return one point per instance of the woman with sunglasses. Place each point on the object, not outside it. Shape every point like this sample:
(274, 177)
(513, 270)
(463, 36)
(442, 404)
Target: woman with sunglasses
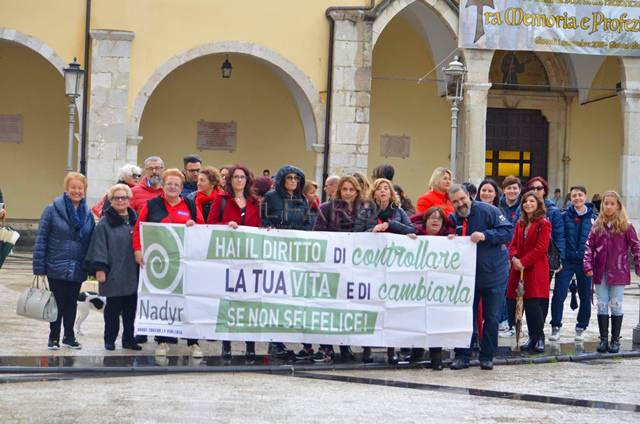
(129, 175)
(285, 207)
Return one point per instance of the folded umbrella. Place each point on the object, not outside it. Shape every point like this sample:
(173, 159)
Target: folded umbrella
(8, 239)
(519, 309)
(573, 288)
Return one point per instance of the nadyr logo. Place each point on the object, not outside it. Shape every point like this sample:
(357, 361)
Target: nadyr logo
(162, 272)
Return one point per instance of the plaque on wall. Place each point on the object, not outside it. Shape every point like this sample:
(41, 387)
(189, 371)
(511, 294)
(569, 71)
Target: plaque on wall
(395, 146)
(216, 135)
(11, 128)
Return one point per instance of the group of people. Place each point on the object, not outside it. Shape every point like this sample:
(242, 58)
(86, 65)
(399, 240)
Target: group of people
(512, 230)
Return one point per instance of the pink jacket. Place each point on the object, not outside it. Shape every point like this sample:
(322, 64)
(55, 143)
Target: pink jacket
(606, 252)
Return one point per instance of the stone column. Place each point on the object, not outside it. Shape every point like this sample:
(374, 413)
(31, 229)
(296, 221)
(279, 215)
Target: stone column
(476, 90)
(630, 159)
(107, 133)
(352, 55)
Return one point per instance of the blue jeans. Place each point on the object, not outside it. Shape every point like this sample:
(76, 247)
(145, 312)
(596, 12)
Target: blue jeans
(492, 300)
(609, 297)
(560, 290)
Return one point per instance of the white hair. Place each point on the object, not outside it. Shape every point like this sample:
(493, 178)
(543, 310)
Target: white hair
(127, 171)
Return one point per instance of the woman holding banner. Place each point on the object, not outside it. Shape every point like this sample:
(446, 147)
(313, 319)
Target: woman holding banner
(434, 223)
(391, 218)
(170, 208)
(237, 206)
(346, 213)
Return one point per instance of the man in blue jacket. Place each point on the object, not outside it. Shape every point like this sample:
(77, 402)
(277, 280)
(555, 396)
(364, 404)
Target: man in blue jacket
(577, 220)
(485, 225)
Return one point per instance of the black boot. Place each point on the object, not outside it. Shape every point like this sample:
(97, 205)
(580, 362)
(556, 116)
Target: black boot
(346, 355)
(392, 359)
(250, 354)
(417, 353)
(366, 354)
(226, 350)
(616, 325)
(435, 355)
(603, 326)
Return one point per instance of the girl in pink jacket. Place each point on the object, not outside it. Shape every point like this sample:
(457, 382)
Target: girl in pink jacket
(605, 259)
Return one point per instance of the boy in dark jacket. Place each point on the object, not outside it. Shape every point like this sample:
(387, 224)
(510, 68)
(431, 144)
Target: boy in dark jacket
(486, 226)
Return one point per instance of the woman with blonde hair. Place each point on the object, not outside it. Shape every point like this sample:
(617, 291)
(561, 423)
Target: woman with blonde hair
(605, 259)
(62, 241)
(439, 184)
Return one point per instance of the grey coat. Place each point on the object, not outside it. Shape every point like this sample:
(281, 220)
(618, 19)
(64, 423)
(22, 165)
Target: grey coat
(111, 251)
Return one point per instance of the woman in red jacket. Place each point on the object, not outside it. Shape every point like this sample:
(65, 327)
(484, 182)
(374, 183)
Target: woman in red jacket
(528, 254)
(437, 195)
(171, 208)
(235, 206)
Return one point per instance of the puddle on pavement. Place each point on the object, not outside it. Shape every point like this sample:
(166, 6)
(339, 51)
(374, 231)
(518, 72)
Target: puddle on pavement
(555, 400)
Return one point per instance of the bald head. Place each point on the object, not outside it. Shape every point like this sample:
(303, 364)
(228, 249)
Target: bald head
(331, 185)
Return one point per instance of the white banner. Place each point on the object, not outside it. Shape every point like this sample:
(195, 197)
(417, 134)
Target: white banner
(596, 27)
(363, 289)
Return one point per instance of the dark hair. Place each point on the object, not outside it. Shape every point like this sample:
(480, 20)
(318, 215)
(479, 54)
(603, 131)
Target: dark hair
(262, 185)
(405, 202)
(471, 189)
(510, 180)
(491, 182)
(579, 188)
(267, 171)
(248, 188)
(540, 211)
(559, 191)
(542, 181)
(191, 159)
(383, 171)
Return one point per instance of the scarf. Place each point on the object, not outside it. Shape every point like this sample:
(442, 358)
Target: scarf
(385, 215)
(76, 215)
(202, 199)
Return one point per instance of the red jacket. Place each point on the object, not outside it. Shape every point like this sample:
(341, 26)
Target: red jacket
(434, 198)
(232, 212)
(532, 252)
(141, 193)
(178, 214)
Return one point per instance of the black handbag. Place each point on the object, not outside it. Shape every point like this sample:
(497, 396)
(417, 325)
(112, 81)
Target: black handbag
(553, 253)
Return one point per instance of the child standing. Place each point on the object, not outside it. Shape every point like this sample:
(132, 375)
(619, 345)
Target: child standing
(605, 259)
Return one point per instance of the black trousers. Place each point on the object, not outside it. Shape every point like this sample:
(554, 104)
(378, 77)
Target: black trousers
(173, 340)
(66, 295)
(120, 306)
(536, 312)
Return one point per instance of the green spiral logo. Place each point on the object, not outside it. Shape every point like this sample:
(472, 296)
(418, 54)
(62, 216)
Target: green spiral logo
(163, 272)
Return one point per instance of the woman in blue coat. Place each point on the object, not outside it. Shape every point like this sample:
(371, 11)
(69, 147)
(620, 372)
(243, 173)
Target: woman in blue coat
(62, 242)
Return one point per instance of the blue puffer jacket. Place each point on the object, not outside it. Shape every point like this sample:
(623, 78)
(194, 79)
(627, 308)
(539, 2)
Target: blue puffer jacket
(282, 210)
(554, 215)
(576, 232)
(512, 213)
(59, 252)
(492, 265)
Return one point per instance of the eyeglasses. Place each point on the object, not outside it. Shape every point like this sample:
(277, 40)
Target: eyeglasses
(239, 177)
(120, 198)
(292, 178)
(155, 168)
(537, 188)
(193, 171)
(136, 176)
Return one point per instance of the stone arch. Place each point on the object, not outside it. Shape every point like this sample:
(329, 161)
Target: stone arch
(33, 43)
(440, 7)
(305, 95)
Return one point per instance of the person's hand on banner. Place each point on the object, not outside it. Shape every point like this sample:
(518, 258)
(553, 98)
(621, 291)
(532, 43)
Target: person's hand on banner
(190, 223)
(381, 228)
(477, 236)
(412, 236)
(233, 225)
(139, 260)
(451, 236)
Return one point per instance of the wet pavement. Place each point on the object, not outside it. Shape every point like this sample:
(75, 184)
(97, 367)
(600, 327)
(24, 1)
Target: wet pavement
(568, 382)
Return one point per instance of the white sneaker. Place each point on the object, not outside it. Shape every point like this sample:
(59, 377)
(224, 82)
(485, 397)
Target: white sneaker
(162, 349)
(195, 351)
(508, 333)
(579, 335)
(555, 334)
(503, 326)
